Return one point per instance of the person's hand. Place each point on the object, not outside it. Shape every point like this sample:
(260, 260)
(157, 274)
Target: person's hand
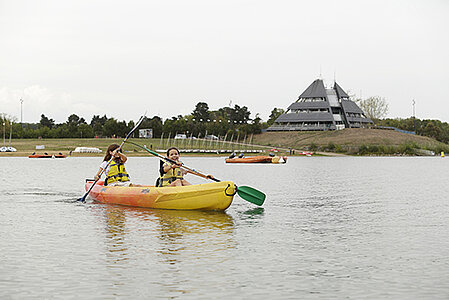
(97, 177)
(115, 153)
(210, 177)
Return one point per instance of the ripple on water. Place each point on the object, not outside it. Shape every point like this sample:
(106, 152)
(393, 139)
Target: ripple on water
(330, 228)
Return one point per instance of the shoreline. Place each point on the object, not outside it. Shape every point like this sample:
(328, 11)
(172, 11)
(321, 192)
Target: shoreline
(348, 142)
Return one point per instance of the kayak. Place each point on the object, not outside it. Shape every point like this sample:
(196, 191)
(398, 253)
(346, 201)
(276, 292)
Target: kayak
(208, 196)
(258, 159)
(60, 155)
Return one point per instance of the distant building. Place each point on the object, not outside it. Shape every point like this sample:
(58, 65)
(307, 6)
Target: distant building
(146, 133)
(320, 108)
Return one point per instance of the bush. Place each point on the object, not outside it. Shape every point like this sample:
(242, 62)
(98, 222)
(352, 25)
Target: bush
(363, 149)
(331, 146)
(407, 148)
(339, 149)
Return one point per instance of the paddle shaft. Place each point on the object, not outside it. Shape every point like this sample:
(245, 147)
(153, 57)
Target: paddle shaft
(102, 171)
(248, 193)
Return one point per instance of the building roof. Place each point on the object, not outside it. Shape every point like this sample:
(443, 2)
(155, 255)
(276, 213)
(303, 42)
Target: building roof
(335, 100)
(315, 90)
(340, 92)
(350, 107)
(359, 120)
(305, 117)
(309, 105)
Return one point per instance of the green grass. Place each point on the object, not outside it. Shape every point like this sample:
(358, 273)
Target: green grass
(28, 146)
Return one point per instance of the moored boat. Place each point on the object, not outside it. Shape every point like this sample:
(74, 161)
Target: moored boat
(264, 159)
(46, 155)
(305, 153)
(208, 196)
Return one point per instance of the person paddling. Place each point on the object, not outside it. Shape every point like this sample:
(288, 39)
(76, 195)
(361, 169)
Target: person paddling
(172, 174)
(116, 174)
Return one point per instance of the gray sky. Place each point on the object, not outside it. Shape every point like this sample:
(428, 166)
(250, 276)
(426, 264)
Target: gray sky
(121, 58)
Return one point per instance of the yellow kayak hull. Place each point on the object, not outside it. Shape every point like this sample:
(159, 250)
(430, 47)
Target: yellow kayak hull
(208, 196)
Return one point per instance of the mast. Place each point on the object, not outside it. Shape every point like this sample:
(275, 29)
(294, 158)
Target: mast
(10, 133)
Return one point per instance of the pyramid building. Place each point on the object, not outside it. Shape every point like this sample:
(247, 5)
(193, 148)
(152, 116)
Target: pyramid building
(321, 108)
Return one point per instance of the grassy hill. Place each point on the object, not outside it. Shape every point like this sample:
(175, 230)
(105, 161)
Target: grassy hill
(354, 141)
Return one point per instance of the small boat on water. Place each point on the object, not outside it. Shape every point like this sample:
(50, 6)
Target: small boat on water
(46, 155)
(305, 153)
(208, 196)
(261, 159)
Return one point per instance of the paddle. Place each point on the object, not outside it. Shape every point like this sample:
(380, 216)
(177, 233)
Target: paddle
(245, 192)
(83, 199)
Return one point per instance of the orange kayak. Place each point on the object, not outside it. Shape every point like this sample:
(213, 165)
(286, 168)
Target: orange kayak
(258, 159)
(47, 156)
(208, 196)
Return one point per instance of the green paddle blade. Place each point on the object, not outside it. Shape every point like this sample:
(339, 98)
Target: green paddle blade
(251, 195)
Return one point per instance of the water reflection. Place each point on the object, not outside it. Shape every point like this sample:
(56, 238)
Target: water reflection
(257, 211)
(252, 216)
(192, 232)
(170, 234)
(339, 228)
(116, 233)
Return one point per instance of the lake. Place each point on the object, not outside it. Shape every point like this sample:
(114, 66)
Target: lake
(330, 228)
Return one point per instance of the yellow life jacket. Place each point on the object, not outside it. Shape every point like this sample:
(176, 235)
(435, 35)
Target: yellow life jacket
(116, 173)
(170, 176)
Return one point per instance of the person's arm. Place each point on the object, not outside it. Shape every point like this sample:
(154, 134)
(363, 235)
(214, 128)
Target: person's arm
(97, 176)
(122, 156)
(169, 167)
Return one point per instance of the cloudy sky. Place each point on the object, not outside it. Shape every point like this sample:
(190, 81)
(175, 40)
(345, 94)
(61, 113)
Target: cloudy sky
(121, 58)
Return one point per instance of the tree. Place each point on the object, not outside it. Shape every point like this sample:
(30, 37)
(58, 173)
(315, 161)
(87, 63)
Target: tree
(98, 120)
(46, 122)
(201, 112)
(73, 119)
(110, 128)
(85, 131)
(374, 107)
(241, 114)
(275, 113)
(432, 130)
(256, 125)
(154, 123)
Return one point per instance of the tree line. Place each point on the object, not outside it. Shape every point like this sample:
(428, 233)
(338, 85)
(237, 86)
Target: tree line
(376, 109)
(226, 120)
(430, 128)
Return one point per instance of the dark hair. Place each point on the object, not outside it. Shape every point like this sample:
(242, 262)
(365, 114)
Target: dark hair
(111, 148)
(172, 148)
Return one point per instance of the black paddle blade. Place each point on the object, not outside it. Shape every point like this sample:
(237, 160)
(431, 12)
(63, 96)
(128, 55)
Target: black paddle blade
(251, 195)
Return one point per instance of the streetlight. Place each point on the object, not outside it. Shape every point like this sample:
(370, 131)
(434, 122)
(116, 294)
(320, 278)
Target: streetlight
(4, 133)
(414, 118)
(21, 117)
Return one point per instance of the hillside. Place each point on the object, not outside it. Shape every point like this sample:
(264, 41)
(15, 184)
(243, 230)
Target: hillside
(350, 141)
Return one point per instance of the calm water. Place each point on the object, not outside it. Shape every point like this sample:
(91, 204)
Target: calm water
(331, 228)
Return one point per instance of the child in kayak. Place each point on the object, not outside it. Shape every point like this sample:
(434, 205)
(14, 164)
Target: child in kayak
(172, 174)
(115, 172)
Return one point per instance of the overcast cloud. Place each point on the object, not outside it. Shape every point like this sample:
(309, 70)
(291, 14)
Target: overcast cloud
(121, 58)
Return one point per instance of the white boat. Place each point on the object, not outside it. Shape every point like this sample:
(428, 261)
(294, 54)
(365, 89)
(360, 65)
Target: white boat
(86, 150)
